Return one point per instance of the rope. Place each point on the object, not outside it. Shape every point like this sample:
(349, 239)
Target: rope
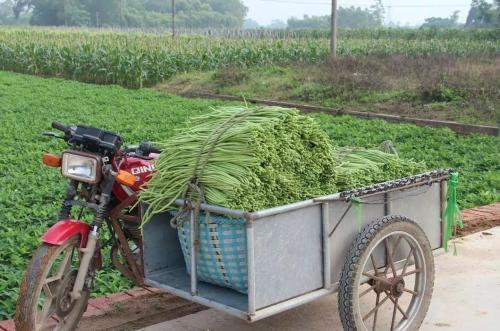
(388, 147)
(357, 202)
(200, 165)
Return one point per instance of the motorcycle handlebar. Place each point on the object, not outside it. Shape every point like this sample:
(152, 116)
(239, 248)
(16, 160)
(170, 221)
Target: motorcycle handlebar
(147, 148)
(61, 127)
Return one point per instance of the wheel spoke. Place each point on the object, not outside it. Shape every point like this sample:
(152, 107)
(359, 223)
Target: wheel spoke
(374, 265)
(48, 290)
(410, 291)
(367, 291)
(394, 310)
(386, 269)
(389, 257)
(396, 246)
(63, 267)
(397, 305)
(380, 279)
(45, 313)
(376, 312)
(371, 312)
(52, 279)
(410, 273)
(407, 260)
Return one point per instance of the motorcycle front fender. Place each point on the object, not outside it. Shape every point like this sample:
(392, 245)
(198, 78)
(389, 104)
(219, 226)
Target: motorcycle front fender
(64, 230)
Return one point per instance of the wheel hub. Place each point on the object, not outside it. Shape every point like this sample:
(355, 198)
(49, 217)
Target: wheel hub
(64, 302)
(394, 286)
(397, 287)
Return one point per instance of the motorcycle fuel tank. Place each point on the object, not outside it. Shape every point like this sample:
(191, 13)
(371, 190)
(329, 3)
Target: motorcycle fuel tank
(142, 170)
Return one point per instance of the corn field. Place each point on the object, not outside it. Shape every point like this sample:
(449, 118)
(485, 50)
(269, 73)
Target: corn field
(136, 59)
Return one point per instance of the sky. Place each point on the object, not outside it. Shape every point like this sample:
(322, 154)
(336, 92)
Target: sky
(403, 12)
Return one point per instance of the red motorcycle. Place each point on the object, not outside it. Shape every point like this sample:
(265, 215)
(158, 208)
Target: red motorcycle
(104, 180)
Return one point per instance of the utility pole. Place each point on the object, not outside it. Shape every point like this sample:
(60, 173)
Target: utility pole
(121, 13)
(388, 18)
(173, 18)
(333, 36)
(65, 9)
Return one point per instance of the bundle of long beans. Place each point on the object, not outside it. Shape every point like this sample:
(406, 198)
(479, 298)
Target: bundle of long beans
(261, 157)
(243, 158)
(361, 167)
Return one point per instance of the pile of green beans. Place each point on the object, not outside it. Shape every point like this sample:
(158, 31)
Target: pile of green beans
(360, 167)
(243, 158)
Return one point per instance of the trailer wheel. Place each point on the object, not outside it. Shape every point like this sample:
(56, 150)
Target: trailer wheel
(388, 277)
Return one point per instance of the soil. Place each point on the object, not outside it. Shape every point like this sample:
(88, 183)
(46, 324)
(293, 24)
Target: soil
(141, 312)
(478, 225)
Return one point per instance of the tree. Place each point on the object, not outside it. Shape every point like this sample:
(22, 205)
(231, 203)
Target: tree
(6, 13)
(234, 8)
(483, 14)
(21, 6)
(357, 18)
(439, 22)
(309, 22)
(277, 24)
(250, 24)
(134, 13)
(497, 3)
(59, 12)
(347, 17)
(103, 13)
(378, 11)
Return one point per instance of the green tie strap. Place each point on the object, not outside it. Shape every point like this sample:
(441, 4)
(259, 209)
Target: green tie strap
(452, 215)
(357, 211)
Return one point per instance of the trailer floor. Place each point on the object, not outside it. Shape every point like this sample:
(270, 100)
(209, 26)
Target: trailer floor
(466, 297)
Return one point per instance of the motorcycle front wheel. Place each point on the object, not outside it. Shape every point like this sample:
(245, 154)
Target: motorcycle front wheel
(44, 301)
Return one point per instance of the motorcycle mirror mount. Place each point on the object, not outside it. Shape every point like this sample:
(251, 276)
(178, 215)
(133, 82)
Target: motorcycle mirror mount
(52, 134)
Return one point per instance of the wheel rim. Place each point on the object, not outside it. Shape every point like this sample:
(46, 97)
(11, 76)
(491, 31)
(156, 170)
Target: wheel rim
(392, 286)
(52, 304)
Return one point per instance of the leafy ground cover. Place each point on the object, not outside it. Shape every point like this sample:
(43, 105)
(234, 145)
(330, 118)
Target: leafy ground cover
(30, 193)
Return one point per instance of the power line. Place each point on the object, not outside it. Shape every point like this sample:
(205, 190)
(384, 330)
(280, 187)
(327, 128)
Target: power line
(367, 4)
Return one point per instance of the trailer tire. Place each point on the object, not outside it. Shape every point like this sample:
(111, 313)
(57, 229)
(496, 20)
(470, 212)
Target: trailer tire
(360, 254)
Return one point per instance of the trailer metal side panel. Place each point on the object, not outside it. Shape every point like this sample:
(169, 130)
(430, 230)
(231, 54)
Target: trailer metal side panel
(349, 227)
(288, 255)
(161, 247)
(422, 205)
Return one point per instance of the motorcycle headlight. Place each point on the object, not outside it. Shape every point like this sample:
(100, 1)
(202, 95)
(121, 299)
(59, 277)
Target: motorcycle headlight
(80, 166)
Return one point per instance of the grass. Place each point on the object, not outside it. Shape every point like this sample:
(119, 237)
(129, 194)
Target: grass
(30, 194)
(440, 87)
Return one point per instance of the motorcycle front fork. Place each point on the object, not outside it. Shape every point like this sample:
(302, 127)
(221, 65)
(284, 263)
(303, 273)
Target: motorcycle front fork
(87, 256)
(93, 238)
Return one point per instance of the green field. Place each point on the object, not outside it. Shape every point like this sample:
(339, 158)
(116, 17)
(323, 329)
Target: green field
(30, 194)
(136, 59)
